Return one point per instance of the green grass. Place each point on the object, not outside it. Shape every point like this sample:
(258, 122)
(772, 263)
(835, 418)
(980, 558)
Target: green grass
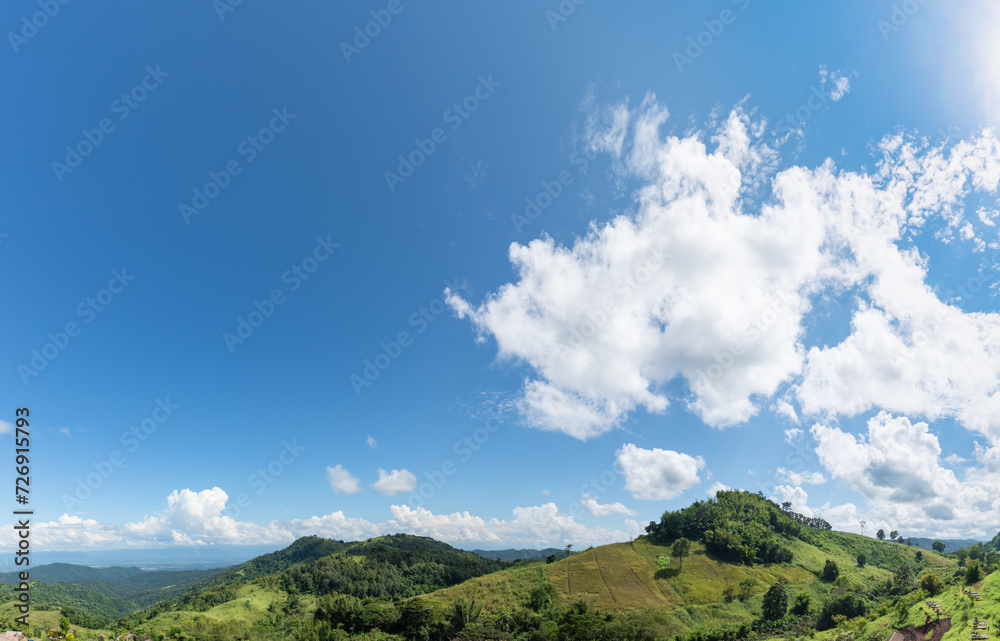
(506, 589)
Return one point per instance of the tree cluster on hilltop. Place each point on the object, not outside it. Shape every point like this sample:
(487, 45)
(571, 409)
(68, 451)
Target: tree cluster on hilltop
(738, 526)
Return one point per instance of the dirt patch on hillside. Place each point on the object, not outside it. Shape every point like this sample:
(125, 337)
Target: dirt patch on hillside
(912, 633)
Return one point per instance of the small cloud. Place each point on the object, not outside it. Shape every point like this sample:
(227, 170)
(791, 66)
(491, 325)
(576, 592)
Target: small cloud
(954, 459)
(65, 431)
(717, 487)
(5, 427)
(370, 441)
(657, 475)
(476, 173)
(841, 83)
(394, 482)
(800, 478)
(785, 408)
(792, 434)
(796, 496)
(546, 492)
(596, 509)
(343, 481)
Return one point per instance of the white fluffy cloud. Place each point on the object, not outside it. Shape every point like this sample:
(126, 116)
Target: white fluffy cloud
(897, 466)
(702, 284)
(394, 482)
(657, 475)
(5, 427)
(343, 481)
(198, 518)
(897, 463)
(598, 509)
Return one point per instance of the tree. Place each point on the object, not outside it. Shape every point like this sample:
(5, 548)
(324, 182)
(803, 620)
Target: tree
(775, 602)
(801, 605)
(786, 505)
(903, 578)
(880, 534)
(920, 555)
(830, 571)
(909, 542)
(680, 549)
(939, 546)
(862, 559)
(899, 540)
(64, 625)
(972, 572)
(863, 524)
(902, 611)
(747, 586)
(931, 583)
(976, 552)
(893, 534)
(962, 555)
(569, 549)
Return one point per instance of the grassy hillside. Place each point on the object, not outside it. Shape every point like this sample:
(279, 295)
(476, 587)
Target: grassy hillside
(709, 592)
(742, 546)
(958, 607)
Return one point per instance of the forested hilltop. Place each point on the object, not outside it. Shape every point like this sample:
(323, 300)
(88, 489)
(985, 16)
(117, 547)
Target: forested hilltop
(737, 566)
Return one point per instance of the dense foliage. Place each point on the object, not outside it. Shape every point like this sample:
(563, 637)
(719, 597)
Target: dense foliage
(848, 605)
(737, 526)
(304, 550)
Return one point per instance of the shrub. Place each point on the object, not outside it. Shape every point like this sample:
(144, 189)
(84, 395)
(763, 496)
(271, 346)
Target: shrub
(931, 584)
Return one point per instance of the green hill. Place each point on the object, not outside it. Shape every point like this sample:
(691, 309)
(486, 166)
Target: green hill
(712, 591)
(741, 547)
(307, 549)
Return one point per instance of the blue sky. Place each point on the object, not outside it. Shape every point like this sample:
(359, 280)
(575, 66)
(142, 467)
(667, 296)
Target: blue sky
(812, 186)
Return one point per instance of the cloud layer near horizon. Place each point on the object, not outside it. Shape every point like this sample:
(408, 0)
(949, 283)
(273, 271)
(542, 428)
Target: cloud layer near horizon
(199, 518)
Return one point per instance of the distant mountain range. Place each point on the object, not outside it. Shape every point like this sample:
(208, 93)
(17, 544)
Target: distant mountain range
(950, 544)
(515, 555)
(177, 558)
